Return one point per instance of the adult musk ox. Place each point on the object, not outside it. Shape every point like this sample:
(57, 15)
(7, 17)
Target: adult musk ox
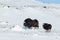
(29, 23)
(47, 26)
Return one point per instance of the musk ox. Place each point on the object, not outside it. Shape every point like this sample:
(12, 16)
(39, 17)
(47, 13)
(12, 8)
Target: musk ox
(29, 23)
(47, 26)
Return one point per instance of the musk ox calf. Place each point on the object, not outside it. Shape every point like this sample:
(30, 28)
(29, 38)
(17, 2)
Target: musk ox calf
(47, 27)
(29, 23)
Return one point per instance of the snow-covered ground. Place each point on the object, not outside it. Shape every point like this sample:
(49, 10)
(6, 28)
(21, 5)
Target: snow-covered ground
(12, 19)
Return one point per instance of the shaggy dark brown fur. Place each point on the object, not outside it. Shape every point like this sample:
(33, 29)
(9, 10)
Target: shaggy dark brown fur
(35, 23)
(31, 23)
(28, 22)
(47, 26)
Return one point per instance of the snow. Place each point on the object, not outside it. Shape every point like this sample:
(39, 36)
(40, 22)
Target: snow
(17, 28)
(12, 19)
